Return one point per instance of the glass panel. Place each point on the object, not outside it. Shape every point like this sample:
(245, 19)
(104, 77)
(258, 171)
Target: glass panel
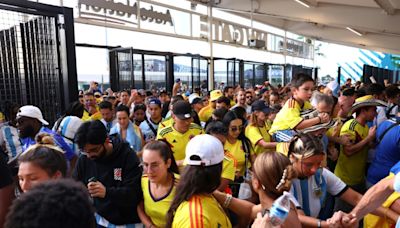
(237, 74)
(137, 73)
(204, 75)
(288, 74)
(124, 70)
(248, 75)
(196, 73)
(220, 74)
(183, 71)
(231, 73)
(275, 73)
(260, 74)
(155, 72)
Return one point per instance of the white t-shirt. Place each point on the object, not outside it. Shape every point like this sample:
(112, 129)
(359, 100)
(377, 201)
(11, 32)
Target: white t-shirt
(310, 193)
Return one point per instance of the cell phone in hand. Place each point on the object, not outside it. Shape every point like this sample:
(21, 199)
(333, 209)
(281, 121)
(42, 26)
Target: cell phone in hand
(92, 179)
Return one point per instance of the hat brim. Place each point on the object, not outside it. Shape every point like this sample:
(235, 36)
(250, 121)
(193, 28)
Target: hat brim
(184, 116)
(44, 122)
(318, 127)
(373, 102)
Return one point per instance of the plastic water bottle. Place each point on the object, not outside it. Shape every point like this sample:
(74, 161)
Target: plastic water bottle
(280, 209)
(245, 189)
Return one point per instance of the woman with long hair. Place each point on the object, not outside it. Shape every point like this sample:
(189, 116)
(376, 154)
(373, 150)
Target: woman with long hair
(193, 204)
(272, 175)
(314, 182)
(237, 143)
(257, 130)
(161, 174)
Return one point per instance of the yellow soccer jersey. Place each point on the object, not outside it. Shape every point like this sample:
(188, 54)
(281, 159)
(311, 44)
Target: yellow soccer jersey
(283, 148)
(289, 116)
(166, 123)
(157, 209)
(178, 140)
(87, 117)
(205, 113)
(255, 134)
(351, 169)
(238, 153)
(229, 166)
(200, 211)
(2, 118)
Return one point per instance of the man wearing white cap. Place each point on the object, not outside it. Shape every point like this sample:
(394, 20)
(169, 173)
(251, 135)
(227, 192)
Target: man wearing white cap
(30, 123)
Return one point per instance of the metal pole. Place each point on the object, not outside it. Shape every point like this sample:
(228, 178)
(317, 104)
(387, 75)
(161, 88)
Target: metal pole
(210, 40)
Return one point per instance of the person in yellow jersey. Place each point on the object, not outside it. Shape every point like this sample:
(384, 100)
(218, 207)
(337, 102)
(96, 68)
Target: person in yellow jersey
(220, 131)
(257, 130)
(206, 112)
(238, 145)
(181, 131)
(91, 111)
(289, 117)
(352, 159)
(194, 205)
(158, 183)
(168, 121)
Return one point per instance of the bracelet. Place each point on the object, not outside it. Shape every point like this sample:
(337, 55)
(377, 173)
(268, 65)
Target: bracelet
(319, 223)
(228, 200)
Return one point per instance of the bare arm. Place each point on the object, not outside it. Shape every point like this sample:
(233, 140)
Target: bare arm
(146, 220)
(267, 145)
(353, 197)
(352, 149)
(373, 198)
(308, 123)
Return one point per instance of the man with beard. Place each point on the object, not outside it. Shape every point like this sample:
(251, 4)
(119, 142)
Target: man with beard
(111, 171)
(30, 123)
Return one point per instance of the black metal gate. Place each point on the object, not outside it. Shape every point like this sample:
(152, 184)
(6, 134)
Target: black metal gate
(37, 56)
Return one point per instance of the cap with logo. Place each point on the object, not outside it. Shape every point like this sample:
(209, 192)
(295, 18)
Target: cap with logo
(215, 94)
(155, 101)
(182, 110)
(31, 112)
(204, 150)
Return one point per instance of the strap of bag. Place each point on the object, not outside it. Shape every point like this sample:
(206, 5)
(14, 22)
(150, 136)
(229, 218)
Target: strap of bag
(151, 127)
(387, 130)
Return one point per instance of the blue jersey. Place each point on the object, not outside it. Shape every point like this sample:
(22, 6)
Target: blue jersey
(387, 152)
(69, 153)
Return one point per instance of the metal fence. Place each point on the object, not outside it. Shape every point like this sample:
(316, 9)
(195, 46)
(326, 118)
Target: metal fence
(36, 66)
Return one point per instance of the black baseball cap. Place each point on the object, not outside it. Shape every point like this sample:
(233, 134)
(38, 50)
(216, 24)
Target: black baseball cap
(259, 105)
(182, 110)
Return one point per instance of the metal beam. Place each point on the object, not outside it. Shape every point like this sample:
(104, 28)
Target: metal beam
(387, 6)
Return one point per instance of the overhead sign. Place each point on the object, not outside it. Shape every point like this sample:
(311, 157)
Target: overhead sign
(229, 32)
(121, 13)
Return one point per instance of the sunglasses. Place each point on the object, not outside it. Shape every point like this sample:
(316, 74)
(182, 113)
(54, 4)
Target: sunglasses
(249, 97)
(239, 128)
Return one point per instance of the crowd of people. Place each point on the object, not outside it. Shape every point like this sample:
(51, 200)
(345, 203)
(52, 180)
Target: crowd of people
(136, 158)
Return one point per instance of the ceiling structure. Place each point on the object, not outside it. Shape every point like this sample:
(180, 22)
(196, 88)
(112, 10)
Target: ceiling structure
(377, 22)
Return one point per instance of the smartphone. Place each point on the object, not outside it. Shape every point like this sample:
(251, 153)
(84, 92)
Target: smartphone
(92, 179)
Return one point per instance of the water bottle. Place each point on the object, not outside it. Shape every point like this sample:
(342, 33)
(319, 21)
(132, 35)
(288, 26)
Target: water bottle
(245, 189)
(280, 209)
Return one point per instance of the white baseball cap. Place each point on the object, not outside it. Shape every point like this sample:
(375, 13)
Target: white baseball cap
(192, 97)
(32, 112)
(208, 148)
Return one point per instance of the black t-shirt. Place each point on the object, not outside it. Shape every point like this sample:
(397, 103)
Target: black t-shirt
(5, 174)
